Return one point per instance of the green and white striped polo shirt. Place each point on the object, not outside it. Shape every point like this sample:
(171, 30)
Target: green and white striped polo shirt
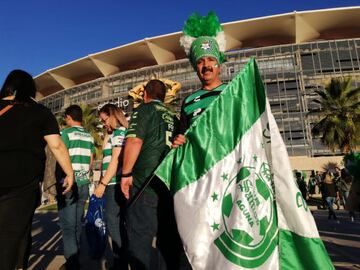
(194, 104)
(80, 144)
(116, 139)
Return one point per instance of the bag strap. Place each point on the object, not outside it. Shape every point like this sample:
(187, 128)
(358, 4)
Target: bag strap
(5, 109)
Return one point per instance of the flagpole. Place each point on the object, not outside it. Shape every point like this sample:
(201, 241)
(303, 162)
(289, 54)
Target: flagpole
(134, 199)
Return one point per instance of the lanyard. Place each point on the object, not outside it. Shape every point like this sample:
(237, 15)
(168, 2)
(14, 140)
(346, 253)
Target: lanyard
(5, 109)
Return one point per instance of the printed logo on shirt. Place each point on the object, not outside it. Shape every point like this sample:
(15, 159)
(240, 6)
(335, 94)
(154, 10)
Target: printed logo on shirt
(198, 111)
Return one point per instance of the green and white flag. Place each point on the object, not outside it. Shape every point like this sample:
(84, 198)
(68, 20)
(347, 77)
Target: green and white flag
(237, 205)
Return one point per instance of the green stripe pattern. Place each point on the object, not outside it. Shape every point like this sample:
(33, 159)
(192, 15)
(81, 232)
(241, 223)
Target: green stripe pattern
(297, 252)
(116, 139)
(197, 102)
(210, 139)
(189, 162)
(80, 144)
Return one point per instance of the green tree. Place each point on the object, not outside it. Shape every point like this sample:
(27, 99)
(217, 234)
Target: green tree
(92, 124)
(339, 116)
(330, 167)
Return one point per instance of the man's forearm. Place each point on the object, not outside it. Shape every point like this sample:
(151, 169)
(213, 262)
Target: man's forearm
(132, 151)
(62, 156)
(60, 152)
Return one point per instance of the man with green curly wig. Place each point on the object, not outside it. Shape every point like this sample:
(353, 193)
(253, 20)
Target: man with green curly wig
(204, 44)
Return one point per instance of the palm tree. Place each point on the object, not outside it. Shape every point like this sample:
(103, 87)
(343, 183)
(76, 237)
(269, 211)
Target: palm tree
(92, 124)
(339, 123)
(330, 167)
(171, 101)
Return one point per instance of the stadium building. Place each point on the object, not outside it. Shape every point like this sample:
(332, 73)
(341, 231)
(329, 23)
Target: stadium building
(297, 53)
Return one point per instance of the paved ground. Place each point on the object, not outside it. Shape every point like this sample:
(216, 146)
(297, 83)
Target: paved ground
(341, 240)
(47, 245)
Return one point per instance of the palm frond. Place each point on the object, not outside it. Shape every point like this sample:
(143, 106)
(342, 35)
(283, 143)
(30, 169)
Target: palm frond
(330, 167)
(91, 123)
(339, 115)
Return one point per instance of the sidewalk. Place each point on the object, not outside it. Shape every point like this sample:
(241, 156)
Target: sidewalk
(47, 251)
(342, 242)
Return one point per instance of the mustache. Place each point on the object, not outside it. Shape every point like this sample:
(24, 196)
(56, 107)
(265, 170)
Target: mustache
(204, 69)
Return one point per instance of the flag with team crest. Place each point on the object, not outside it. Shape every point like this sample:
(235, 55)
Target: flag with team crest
(237, 205)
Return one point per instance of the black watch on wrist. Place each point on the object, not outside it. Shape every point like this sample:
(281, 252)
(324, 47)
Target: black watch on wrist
(126, 174)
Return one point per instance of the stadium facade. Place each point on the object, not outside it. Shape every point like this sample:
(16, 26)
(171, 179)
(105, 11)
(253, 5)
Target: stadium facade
(297, 53)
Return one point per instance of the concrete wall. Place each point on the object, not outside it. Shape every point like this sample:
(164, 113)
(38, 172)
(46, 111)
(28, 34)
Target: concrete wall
(304, 163)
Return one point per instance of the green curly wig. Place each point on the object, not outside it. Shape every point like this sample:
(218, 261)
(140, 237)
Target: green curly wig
(203, 36)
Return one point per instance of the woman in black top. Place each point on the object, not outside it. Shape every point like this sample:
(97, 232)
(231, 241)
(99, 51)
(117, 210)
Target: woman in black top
(26, 127)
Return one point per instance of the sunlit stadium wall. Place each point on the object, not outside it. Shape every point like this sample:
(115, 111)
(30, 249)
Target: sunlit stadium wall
(291, 74)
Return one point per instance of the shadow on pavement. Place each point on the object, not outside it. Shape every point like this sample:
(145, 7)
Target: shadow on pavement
(47, 250)
(46, 243)
(342, 240)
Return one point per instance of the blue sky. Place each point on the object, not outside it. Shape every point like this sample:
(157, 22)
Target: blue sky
(39, 35)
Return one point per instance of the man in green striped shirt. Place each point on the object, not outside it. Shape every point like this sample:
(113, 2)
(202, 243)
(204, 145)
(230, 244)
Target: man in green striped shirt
(80, 144)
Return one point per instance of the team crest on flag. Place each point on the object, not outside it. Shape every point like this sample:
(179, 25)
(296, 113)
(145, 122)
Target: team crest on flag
(248, 216)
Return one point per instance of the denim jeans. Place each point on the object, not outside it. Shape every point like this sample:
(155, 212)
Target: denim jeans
(114, 202)
(153, 216)
(71, 210)
(330, 201)
(141, 225)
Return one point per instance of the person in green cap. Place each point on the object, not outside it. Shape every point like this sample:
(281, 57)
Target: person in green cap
(204, 44)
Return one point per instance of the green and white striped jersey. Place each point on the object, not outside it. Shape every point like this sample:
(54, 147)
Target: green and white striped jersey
(80, 144)
(194, 105)
(116, 139)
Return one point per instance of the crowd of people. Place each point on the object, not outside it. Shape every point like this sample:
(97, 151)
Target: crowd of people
(333, 186)
(131, 151)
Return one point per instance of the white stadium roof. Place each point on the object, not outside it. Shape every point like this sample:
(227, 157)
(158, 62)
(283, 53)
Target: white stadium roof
(295, 27)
